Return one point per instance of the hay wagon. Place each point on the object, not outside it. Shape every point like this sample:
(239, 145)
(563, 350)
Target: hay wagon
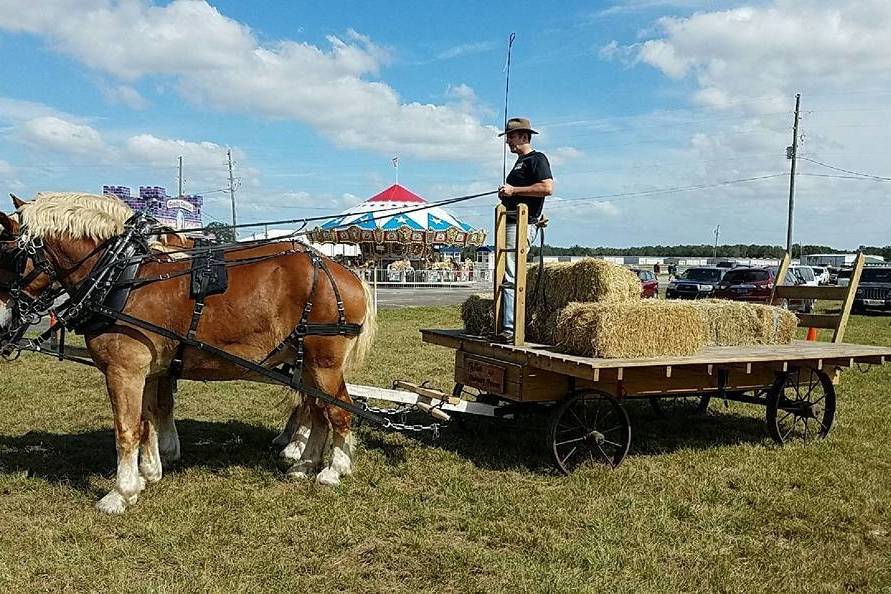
(585, 395)
(794, 382)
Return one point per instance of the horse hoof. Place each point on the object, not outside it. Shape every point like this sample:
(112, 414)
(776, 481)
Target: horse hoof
(300, 471)
(113, 503)
(292, 452)
(328, 477)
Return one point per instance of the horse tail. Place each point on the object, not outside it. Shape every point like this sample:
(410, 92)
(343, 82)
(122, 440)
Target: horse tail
(356, 356)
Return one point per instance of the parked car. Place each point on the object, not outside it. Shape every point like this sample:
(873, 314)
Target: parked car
(843, 279)
(822, 275)
(805, 274)
(746, 284)
(695, 283)
(649, 286)
(796, 276)
(874, 290)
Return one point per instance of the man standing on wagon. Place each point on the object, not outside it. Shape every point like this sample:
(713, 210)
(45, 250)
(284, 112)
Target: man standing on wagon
(528, 182)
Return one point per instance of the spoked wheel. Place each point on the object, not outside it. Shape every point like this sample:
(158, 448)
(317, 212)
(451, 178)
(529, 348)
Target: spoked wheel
(587, 427)
(681, 405)
(801, 405)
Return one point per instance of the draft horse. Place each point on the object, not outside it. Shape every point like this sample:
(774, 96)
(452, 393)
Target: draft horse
(269, 287)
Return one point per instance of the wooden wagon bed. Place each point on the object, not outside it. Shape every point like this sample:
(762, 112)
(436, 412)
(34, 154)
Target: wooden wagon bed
(537, 372)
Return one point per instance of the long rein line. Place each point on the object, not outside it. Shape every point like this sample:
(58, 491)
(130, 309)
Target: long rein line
(395, 209)
(245, 245)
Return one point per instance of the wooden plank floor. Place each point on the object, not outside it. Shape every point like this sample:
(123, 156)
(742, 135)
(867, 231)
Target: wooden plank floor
(796, 351)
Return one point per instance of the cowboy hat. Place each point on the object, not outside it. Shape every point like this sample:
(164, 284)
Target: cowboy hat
(518, 125)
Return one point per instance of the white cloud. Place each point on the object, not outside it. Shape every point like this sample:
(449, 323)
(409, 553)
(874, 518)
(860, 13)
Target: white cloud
(218, 62)
(772, 51)
(150, 149)
(9, 176)
(466, 49)
(124, 95)
(740, 68)
(17, 111)
(563, 155)
(56, 134)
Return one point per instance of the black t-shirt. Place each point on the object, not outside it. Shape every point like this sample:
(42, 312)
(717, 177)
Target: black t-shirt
(529, 169)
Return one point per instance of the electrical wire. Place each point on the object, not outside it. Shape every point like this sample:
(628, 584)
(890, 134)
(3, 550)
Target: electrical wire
(828, 166)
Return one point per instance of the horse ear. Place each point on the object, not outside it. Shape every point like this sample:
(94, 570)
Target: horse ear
(7, 223)
(16, 201)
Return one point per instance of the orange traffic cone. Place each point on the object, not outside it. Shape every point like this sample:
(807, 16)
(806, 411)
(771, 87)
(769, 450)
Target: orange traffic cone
(811, 334)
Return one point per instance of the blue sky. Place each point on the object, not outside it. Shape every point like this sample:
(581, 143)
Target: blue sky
(634, 98)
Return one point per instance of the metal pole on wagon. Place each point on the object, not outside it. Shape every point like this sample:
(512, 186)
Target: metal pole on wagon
(510, 45)
(792, 154)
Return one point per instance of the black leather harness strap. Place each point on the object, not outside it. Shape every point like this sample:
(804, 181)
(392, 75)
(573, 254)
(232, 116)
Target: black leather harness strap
(303, 329)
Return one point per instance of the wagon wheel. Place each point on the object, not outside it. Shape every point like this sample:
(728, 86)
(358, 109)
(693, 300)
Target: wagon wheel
(800, 405)
(588, 426)
(680, 405)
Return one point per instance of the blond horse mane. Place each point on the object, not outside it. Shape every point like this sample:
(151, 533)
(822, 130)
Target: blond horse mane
(75, 215)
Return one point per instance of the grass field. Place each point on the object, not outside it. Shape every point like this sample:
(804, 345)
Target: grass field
(706, 504)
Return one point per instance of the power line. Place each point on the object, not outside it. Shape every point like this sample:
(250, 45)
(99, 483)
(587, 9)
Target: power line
(828, 166)
(854, 177)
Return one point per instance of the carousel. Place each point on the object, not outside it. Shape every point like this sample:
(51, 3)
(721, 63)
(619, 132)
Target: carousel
(396, 233)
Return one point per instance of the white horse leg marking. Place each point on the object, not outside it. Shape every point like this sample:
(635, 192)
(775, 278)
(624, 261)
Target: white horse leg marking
(299, 438)
(127, 485)
(315, 447)
(5, 315)
(149, 456)
(341, 460)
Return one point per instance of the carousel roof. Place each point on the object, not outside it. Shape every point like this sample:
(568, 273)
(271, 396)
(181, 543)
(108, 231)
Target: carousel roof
(397, 209)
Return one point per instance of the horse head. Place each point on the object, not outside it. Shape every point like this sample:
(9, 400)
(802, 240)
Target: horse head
(21, 284)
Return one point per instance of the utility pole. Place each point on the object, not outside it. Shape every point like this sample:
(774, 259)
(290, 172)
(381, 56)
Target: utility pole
(232, 192)
(180, 178)
(717, 233)
(792, 154)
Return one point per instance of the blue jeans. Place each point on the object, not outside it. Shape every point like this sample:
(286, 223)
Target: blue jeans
(510, 275)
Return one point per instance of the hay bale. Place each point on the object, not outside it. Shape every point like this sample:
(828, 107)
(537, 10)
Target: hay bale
(586, 280)
(735, 323)
(648, 328)
(478, 313)
(561, 283)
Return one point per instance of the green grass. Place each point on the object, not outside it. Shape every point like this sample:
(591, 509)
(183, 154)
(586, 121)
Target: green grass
(699, 505)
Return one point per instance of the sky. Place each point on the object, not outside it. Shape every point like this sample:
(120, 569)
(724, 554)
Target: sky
(661, 119)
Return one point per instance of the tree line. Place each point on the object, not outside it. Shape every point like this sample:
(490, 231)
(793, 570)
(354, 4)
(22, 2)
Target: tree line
(706, 251)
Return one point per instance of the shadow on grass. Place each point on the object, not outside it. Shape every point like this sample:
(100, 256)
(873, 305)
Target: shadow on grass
(523, 444)
(75, 458)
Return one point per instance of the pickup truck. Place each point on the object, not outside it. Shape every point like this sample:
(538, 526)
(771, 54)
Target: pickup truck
(874, 290)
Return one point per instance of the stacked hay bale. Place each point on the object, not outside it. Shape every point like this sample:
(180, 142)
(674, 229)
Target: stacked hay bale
(655, 328)
(735, 323)
(646, 328)
(563, 283)
(478, 313)
(593, 308)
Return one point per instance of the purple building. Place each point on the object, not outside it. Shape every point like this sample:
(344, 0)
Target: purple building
(182, 212)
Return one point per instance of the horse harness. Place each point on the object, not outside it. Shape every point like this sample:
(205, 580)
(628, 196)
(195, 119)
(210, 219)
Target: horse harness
(99, 300)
